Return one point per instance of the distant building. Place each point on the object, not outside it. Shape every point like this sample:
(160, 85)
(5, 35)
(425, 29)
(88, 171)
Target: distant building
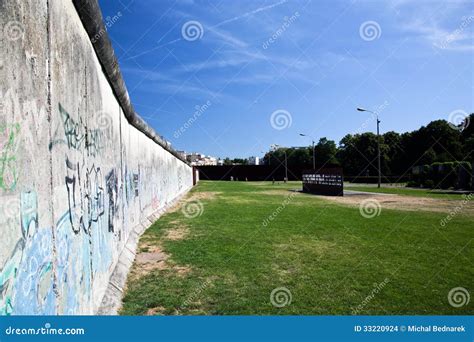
(193, 157)
(182, 154)
(254, 161)
(198, 159)
(209, 161)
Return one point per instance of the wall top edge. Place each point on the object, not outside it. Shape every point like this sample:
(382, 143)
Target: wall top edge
(91, 17)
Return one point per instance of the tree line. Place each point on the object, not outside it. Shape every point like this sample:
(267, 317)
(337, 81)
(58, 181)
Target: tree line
(437, 142)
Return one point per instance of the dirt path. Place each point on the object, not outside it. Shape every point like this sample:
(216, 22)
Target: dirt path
(151, 254)
(410, 203)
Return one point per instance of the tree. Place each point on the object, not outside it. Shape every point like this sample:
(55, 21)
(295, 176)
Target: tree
(240, 161)
(325, 152)
(393, 152)
(427, 158)
(299, 157)
(358, 153)
(467, 138)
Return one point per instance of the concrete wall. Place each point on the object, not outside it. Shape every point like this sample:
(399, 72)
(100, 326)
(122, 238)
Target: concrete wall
(75, 177)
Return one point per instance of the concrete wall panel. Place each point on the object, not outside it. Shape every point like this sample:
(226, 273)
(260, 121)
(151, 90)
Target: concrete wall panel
(26, 250)
(75, 177)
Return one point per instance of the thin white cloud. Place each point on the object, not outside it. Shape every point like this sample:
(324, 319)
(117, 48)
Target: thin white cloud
(223, 35)
(156, 82)
(457, 39)
(448, 26)
(151, 75)
(261, 9)
(227, 37)
(217, 63)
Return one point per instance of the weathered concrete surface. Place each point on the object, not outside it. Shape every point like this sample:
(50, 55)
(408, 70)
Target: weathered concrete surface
(77, 181)
(112, 299)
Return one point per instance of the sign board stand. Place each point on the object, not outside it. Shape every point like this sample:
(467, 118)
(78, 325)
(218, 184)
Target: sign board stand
(324, 181)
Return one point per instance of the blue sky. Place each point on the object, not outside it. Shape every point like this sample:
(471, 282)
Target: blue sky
(311, 63)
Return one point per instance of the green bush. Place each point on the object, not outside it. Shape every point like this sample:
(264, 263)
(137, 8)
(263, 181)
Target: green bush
(428, 184)
(447, 175)
(413, 184)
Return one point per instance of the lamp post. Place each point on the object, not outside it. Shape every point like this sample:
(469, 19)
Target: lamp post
(314, 159)
(378, 142)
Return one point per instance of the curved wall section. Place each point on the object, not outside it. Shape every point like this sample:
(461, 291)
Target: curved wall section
(77, 173)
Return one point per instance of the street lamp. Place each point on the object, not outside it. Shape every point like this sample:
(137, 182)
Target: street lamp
(378, 141)
(314, 159)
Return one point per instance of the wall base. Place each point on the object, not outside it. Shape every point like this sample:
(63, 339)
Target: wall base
(112, 299)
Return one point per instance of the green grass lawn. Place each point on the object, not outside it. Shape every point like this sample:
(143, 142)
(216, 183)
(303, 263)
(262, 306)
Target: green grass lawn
(407, 192)
(331, 259)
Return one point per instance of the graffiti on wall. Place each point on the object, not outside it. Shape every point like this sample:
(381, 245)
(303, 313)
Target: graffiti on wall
(102, 200)
(86, 194)
(9, 142)
(84, 230)
(73, 267)
(77, 135)
(26, 279)
(136, 184)
(35, 277)
(180, 179)
(132, 181)
(111, 182)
